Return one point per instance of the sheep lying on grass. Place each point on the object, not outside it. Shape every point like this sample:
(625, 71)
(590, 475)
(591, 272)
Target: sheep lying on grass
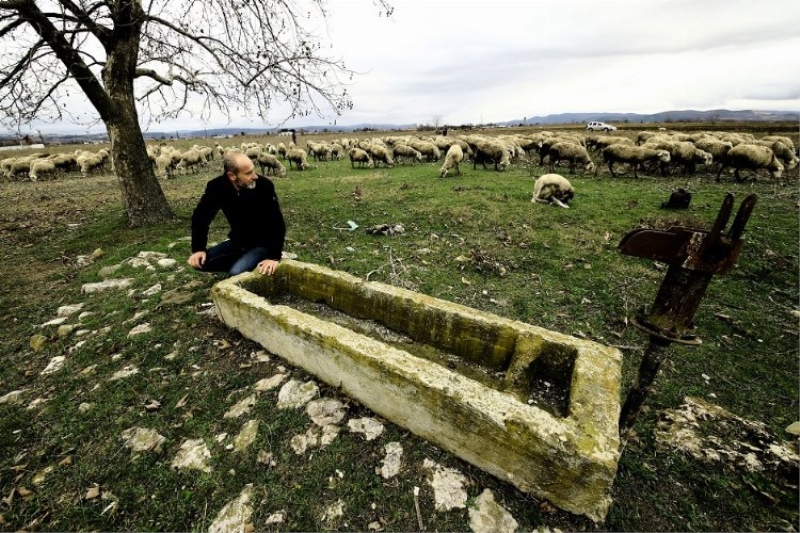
(357, 155)
(632, 154)
(298, 157)
(553, 189)
(573, 153)
(453, 157)
(751, 157)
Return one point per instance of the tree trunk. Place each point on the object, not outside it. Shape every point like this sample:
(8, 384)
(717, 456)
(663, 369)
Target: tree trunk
(142, 197)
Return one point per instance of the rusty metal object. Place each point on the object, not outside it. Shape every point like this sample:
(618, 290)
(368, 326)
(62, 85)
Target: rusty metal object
(694, 256)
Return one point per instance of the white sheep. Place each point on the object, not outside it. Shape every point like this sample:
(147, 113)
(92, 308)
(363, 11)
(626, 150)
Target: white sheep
(632, 154)
(190, 160)
(91, 163)
(381, 154)
(553, 189)
(751, 157)
(358, 155)
(403, 151)
(453, 157)
(42, 169)
(491, 150)
(785, 140)
(271, 164)
(298, 157)
(573, 153)
(781, 150)
(680, 153)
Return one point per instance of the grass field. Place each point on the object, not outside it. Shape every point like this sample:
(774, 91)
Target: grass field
(474, 239)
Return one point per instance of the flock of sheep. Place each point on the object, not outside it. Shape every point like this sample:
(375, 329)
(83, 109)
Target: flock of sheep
(657, 152)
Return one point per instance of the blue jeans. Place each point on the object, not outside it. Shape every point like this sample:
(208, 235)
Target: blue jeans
(233, 259)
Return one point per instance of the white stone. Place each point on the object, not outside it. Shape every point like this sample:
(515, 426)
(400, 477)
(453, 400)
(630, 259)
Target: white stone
(54, 365)
(193, 454)
(85, 407)
(67, 310)
(295, 394)
(142, 439)
(392, 461)
(152, 291)
(107, 284)
(333, 511)
(126, 372)
(242, 407)
(329, 434)
(235, 514)
(140, 329)
(326, 411)
(85, 314)
(107, 271)
(55, 322)
(270, 383)
(490, 517)
(246, 436)
(448, 486)
(275, 518)
(38, 402)
(166, 263)
(301, 443)
(370, 427)
(151, 255)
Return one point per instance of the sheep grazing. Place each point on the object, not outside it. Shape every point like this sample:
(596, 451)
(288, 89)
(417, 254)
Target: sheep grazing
(42, 169)
(403, 151)
(190, 160)
(491, 150)
(785, 140)
(632, 154)
(572, 153)
(553, 189)
(453, 157)
(270, 164)
(91, 163)
(782, 151)
(165, 166)
(381, 154)
(681, 153)
(597, 142)
(298, 157)
(751, 157)
(357, 155)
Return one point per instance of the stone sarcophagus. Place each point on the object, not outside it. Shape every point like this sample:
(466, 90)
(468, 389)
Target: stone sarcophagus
(536, 408)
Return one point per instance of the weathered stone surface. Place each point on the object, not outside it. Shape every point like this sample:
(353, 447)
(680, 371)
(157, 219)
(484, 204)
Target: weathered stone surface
(67, 310)
(326, 411)
(242, 407)
(270, 383)
(392, 461)
(490, 517)
(246, 436)
(54, 365)
(37, 342)
(235, 514)
(142, 439)
(568, 457)
(106, 285)
(369, 427)
(193, 454)
(448, 486)
(13, 397)
(295, 394)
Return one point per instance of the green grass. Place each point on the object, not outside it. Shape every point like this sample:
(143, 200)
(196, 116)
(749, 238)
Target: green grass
(561, 270)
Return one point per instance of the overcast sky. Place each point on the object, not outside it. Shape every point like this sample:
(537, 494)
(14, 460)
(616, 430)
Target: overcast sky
(459, 61)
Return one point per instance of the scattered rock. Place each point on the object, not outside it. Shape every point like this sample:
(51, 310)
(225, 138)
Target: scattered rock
(166, 262)
(37, 342)
(67, 310)
(140, 329)
(275, 518)
(448, 486)
(235, 514)
(793, 428)
(242, 407)
(193, 454)
(38, 402)
(333, 512)
(54, 365)
(110, 270)
(326, 411)
(270, 383)
(392, 461)
(301, 443)
(175, 297)
(55, 322)
(106, 285)
(142, 439)
(246, 436)
(152, 291)
(85, 407)
(126, 372)
(329, 434)
(65, 330)
(295, 394)
(370, 427)
(40, 476)
(13, 397)
(490, 517)
(265, 458)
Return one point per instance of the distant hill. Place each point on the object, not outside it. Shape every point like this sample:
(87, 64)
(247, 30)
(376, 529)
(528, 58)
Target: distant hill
(689, 115)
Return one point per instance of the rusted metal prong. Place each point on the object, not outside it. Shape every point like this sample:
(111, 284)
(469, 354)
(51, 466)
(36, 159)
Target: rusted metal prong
(722, 218)
(745, 210)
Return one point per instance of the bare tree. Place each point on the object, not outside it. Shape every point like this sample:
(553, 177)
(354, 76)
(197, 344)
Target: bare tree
(160, 58)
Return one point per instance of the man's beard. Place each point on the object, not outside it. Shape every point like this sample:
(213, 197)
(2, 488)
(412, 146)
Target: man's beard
(251, 185)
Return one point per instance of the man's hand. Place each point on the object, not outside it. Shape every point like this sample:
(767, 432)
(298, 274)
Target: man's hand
(197, 260)
(267, 266)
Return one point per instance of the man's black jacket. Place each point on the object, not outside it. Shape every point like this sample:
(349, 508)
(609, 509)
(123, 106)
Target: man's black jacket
(253, 214)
